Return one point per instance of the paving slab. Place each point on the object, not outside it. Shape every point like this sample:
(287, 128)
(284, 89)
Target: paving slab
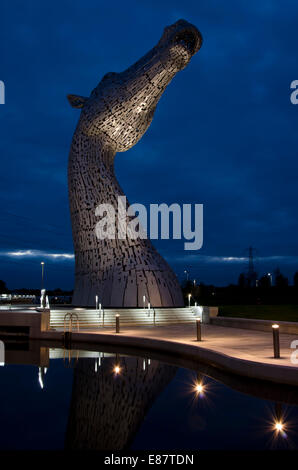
(239, 343)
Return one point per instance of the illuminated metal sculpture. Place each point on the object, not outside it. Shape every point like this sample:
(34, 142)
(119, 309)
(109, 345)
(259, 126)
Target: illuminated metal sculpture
(113, 119)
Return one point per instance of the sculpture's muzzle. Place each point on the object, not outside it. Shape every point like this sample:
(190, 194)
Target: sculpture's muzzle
(183, 34)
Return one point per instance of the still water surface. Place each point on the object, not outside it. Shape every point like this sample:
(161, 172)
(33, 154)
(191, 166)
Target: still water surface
(112, 401)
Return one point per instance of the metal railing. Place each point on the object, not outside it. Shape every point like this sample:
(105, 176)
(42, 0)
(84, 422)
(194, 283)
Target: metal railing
(70, 317)
(72, 360)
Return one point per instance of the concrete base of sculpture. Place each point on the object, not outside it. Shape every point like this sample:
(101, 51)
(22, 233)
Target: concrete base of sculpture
(89, 318)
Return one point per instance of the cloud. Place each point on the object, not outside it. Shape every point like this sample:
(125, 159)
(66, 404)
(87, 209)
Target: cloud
(209, 259)
(206, 259)
(37, 254)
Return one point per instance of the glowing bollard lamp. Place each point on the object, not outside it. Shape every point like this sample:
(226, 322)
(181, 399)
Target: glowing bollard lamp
(117, 323)
(276, 348)
(199, 329)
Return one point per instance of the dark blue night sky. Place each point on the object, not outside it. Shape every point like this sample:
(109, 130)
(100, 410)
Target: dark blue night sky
(224, 133)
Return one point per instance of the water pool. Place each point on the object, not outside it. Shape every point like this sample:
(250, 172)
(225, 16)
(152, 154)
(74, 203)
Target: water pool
(52, 398)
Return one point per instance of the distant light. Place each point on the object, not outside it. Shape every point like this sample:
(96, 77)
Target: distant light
(275, 325)
(117, 370)
(42, 262)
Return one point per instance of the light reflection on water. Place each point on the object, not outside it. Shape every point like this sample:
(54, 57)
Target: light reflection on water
(112, 401)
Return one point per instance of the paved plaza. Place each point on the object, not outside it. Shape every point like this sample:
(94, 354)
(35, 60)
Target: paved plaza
(243, 344)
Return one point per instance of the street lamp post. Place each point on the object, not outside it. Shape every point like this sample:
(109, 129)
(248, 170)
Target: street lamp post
(42, 273)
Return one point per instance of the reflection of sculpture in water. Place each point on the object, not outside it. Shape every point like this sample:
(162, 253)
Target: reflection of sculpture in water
(106, 409)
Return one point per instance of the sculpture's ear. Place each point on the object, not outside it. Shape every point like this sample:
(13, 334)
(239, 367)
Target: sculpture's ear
(76, 101)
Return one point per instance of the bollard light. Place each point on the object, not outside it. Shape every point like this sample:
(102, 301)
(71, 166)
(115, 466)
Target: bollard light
(199, 331)
(117, 323)
(276, 348)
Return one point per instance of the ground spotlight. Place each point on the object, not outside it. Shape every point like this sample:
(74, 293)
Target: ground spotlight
(279, 427)
(199, 388)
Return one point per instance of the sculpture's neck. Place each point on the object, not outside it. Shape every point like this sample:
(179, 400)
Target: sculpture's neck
(91, 177)
(92, 149)
(119, 270)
